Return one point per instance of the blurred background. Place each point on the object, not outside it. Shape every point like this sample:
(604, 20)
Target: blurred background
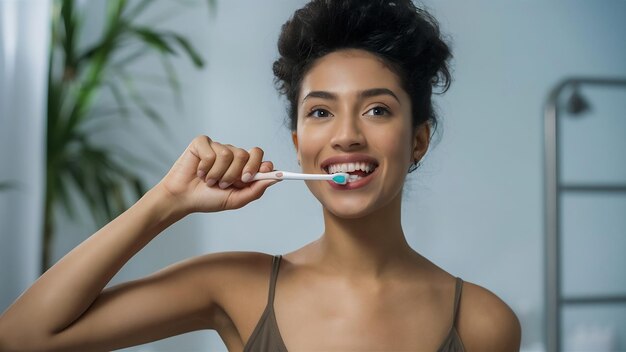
(477, 206)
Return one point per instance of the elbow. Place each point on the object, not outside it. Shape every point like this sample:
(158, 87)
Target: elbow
(4, 342)
(13, 345)
(8, 343)
(12, 341)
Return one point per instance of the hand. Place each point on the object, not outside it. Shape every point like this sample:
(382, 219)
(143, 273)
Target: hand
(207, 177)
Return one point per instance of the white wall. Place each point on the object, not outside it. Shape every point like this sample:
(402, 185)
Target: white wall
(24, 34)
(476, 206)
(508, 56)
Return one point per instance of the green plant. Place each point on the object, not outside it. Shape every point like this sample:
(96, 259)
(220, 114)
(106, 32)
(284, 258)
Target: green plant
(6, 185)
(98, 174)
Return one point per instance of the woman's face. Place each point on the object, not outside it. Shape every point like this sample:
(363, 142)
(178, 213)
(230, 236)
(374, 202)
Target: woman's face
(352, 109)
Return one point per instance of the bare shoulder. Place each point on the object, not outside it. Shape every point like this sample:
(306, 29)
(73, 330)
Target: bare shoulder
(485, 322)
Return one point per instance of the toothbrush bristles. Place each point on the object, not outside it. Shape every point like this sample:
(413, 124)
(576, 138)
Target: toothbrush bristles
(343, 178)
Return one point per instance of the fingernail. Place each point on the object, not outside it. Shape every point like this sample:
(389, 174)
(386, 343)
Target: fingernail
(265, 168)
(224, 184)
(201, 173)
(210, 182)
(246, 177)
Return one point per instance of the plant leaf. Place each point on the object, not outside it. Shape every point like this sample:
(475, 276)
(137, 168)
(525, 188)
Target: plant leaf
(139, 187)
(69, 29)
(153, 39)
(141, 103)
(189, 49)
(8, 185)
(172, 80)
(103, 187)
(77, 174)
(115, 9)
(119, 98)
(212, 5)
(63, 187)
(90, 53)
(138, 9)
(120, 63)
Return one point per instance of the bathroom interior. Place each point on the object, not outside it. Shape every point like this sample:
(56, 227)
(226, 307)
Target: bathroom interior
(524, 193)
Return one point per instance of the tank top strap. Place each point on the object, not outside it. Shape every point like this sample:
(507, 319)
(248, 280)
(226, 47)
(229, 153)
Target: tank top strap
(457, 299)
(273, 276)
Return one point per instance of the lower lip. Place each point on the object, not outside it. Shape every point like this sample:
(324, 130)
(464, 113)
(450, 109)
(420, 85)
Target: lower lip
(353, 185)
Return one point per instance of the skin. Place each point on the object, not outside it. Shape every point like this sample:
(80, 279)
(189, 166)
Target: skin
(358, 287)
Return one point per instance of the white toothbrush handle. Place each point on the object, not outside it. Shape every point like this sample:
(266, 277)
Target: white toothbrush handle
(286, 175)
(266, 176)
(298, 176)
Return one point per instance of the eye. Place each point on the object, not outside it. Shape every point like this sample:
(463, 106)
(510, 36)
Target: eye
(320, 113)
(377, 111)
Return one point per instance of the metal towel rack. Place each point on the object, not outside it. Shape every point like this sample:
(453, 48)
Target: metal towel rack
(553, 188)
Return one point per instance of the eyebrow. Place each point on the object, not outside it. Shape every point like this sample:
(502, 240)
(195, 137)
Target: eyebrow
(368, 93)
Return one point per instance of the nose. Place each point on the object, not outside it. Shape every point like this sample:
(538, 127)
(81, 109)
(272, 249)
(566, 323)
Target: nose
(348, 134)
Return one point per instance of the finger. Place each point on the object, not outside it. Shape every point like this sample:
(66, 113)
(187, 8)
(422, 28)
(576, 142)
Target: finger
(201, 148)
(266, 166)
(253, 165)
(233, 173)
(224, 157)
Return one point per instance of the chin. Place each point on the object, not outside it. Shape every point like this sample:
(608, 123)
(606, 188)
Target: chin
(349, 213)
(348, 208)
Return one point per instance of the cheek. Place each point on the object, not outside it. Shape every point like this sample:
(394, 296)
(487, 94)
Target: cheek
(310, 142)
(397, 149)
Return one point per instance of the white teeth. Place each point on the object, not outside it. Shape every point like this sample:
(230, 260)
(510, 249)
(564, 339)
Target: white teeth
(353, 178)
(350, 167)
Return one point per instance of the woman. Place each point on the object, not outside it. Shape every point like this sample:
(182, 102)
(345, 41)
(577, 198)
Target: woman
(358, 76)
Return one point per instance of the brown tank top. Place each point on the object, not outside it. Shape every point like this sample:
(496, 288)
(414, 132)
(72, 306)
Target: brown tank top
(266, 336)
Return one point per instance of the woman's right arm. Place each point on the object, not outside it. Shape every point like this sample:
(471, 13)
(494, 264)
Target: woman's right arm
(67, 309)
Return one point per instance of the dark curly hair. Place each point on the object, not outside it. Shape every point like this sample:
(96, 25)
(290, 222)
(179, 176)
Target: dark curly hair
(405, 37)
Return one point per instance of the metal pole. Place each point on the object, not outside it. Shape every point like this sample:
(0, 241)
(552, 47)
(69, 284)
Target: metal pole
(552, 206)
(552, 328)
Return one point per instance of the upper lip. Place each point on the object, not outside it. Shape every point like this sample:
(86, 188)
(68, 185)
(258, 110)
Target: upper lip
(349, 158)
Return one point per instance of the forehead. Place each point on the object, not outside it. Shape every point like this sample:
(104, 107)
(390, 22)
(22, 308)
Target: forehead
(348, 71)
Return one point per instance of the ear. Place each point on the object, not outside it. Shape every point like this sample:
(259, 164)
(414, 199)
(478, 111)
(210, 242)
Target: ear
(421, 141)
(294, 138)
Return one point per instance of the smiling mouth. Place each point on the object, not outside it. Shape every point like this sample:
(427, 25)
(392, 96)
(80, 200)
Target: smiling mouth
(356, 173)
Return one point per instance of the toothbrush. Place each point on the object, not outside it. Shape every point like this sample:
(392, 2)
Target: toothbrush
(340, 178)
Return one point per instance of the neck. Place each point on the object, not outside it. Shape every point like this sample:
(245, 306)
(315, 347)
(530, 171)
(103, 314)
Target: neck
(369, 246)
